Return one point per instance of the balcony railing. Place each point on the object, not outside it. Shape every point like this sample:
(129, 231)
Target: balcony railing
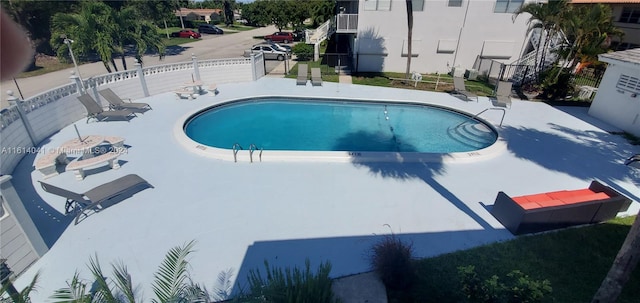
(346, 23)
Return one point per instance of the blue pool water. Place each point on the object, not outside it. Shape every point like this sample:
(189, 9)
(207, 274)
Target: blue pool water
(337, 125)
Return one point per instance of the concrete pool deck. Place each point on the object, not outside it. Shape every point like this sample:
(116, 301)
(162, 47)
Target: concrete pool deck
(242, 214)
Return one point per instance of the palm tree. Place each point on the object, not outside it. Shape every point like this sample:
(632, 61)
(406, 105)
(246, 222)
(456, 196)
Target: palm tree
(588, 30)
(91, 29)
(546, 17)
(409, 35)
(624, 264)
(172, 283)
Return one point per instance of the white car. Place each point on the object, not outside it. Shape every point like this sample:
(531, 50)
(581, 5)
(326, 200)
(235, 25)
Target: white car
(270, 51)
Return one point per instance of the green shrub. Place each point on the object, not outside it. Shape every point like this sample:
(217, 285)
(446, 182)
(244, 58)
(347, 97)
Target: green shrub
(392, 260)
(303, 51)
(519, 288)
(290, 285)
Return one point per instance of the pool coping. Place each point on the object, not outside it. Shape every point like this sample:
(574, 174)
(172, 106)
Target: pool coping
(254, 155)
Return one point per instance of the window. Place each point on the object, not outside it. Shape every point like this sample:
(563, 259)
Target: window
(630, 15)
(377, 5)
(628, 83)
(417, 5)
(507, 6)
(455, 3)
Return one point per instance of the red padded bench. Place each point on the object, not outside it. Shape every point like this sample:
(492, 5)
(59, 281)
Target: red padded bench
(558, 209)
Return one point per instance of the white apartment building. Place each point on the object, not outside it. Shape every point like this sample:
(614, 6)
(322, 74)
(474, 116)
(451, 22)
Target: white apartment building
(446, 33)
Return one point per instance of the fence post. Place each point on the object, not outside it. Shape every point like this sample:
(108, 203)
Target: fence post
(90, 83)
(254, 72)
(196, 68)
(76, 80)
(15, 101)
(437, 80)
(143, 82)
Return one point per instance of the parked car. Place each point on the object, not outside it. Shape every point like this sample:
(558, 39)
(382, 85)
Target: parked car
(271, 52)
(186, 33)
(210, 29)
(282, 37)
(282, 47)
(299, 35)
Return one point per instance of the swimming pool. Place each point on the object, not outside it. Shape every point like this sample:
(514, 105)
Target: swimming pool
(336, 128)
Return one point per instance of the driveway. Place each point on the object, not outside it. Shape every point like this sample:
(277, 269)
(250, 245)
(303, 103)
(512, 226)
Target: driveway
(211, 47)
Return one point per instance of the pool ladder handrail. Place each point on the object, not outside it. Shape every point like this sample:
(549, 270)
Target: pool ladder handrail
(253, 148)
(504, 112)
(236, 149)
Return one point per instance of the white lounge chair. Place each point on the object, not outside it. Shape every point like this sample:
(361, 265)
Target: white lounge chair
(460, 89)
(503, 94)
(303, 74)
(316, 76)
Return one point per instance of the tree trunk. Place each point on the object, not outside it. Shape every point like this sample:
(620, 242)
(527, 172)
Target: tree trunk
(409, 36)
(106, 65)
(124, 62)
(166, 29)
(624, 264)
(113, 62)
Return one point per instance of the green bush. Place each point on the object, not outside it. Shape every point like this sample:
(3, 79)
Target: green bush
(556, 83)
(519, 288)
(303, 51)
(392, 260)
(290, 285)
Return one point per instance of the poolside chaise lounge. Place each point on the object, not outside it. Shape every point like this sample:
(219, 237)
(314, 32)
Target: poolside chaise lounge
(503, 94)
(303, 74)
(460, 89)
(117, 103)
(316, 76)
(96, 112)
(77, 203)
(558, 209)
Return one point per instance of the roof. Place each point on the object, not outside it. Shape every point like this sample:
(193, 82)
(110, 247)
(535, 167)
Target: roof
(630, 56)
(605, 1)
(201, 12)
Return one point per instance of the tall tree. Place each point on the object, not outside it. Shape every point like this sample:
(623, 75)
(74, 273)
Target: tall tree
(547, 17)
(624, 264)
(91, 30)
(228, 13)
(409, 4)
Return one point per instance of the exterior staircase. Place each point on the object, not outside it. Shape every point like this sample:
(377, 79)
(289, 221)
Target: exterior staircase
(316, 36)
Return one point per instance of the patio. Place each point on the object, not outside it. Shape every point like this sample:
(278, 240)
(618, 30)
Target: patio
(243, 213)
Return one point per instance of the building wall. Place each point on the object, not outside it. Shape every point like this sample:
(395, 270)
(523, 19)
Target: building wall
(631, 30)
(436, 30)
(615, 106)
(20, 241)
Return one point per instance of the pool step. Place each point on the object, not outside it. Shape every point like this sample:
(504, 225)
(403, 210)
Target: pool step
(476, 135)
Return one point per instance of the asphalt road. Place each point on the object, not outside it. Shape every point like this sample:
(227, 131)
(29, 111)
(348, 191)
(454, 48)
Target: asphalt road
(229, 45)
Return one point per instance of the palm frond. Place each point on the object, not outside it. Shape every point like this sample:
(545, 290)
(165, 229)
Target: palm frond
(103, 292)
(169, 284)
(222, 289)
(76, 292)
(123, 281)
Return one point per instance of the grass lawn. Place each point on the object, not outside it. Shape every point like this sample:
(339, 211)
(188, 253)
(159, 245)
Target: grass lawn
(574, 260)
(431, 82)
(45, 64)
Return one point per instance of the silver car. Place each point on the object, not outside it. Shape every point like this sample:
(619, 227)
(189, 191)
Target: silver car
(271, 52)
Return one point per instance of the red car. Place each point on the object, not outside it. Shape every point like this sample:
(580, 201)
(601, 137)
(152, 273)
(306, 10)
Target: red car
(281, 37)
(186, 33)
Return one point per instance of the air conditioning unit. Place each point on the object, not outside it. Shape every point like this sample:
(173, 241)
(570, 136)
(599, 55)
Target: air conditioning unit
(458, 71)
(471, 74)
